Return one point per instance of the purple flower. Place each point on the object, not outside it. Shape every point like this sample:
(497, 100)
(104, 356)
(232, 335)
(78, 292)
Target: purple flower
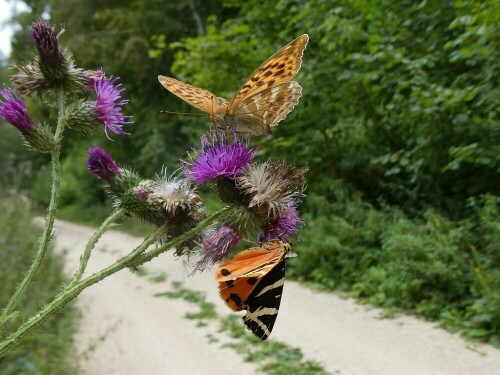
(45, 38)
(141, 193)
(219, 159)
(100, 164)
(108, 106)
(283, 226)
(13, 110)
(93, 76)
(217, 246)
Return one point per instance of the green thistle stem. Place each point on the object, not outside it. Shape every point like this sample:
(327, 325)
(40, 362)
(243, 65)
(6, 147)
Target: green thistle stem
(72, 292)
(49, 220)
(84, 259)
(143, 258)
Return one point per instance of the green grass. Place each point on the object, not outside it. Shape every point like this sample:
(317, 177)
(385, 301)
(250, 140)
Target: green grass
(271, 356)
(207, 309)
(158, 278)
(50, 349)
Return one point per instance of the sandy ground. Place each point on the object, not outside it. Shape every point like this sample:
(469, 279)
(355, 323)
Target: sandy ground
(126, 330)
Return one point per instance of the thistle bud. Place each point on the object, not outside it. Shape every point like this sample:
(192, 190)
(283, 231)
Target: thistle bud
(100, 164)
(141, 193)
(47, 44)
(52, 68)
(14, 111)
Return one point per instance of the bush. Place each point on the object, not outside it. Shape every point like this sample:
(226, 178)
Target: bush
(442, 269)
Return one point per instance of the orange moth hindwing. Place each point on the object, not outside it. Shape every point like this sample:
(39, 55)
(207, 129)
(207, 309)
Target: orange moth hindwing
(253, 281)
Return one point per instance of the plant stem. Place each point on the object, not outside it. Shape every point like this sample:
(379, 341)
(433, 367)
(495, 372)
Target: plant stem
(143, 258)
(49, 220)
(84, 259)
(71, 293)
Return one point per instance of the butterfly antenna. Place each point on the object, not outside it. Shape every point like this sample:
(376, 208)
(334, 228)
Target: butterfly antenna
(183, 113)
(250, 241)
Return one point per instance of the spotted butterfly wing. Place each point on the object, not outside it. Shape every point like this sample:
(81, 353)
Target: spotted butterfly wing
(279, 68)
(253, 281)
(265, 99)
(260, 113)
(197, 97)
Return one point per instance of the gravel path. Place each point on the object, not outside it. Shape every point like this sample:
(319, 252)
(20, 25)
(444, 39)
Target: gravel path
(126, 330)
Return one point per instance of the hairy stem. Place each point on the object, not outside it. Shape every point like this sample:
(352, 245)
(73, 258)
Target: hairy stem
(72, 292)
(49, 220)
(143, 258)
(84, 259)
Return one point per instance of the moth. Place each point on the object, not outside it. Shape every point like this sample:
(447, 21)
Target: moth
(253, 281)
(265, 98)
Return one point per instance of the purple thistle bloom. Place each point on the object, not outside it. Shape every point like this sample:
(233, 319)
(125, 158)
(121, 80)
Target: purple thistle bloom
(93, 76)
(219, 159)
(217, 246)
(283, 226)
(45, 38)
(13, 110)
(108, 107)
(100, 164)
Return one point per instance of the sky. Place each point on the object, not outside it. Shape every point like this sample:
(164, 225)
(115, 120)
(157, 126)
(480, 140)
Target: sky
(6, 31)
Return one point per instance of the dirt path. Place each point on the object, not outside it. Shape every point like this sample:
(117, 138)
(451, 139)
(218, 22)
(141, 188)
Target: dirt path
(126, 330)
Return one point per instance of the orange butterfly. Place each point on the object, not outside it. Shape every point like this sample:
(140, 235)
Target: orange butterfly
(261, 102)
(253, 281)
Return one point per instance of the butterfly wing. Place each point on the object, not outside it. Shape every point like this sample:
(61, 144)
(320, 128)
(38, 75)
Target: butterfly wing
(197, 97)
(279, 68)
(260, 113)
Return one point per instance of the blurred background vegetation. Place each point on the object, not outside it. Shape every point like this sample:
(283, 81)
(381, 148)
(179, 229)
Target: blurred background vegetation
(399, 124)
(51, 350)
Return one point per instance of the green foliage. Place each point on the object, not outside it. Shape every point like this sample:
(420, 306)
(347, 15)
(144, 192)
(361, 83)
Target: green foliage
(398, 123)
(50, 350)
(400, 127)
(441, 269)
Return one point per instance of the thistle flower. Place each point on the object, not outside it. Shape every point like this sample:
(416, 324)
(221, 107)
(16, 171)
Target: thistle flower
(283, 226)
(88, 115)
(46, 42)
(91, 77)
(217, 246)
(173, 193)
(14, 111)
(100, 164)
(108, 106)
(177, 205)
(220, 158)
(272, 186)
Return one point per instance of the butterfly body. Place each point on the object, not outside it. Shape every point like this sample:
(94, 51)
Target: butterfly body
(261, 102)
(253, 281)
